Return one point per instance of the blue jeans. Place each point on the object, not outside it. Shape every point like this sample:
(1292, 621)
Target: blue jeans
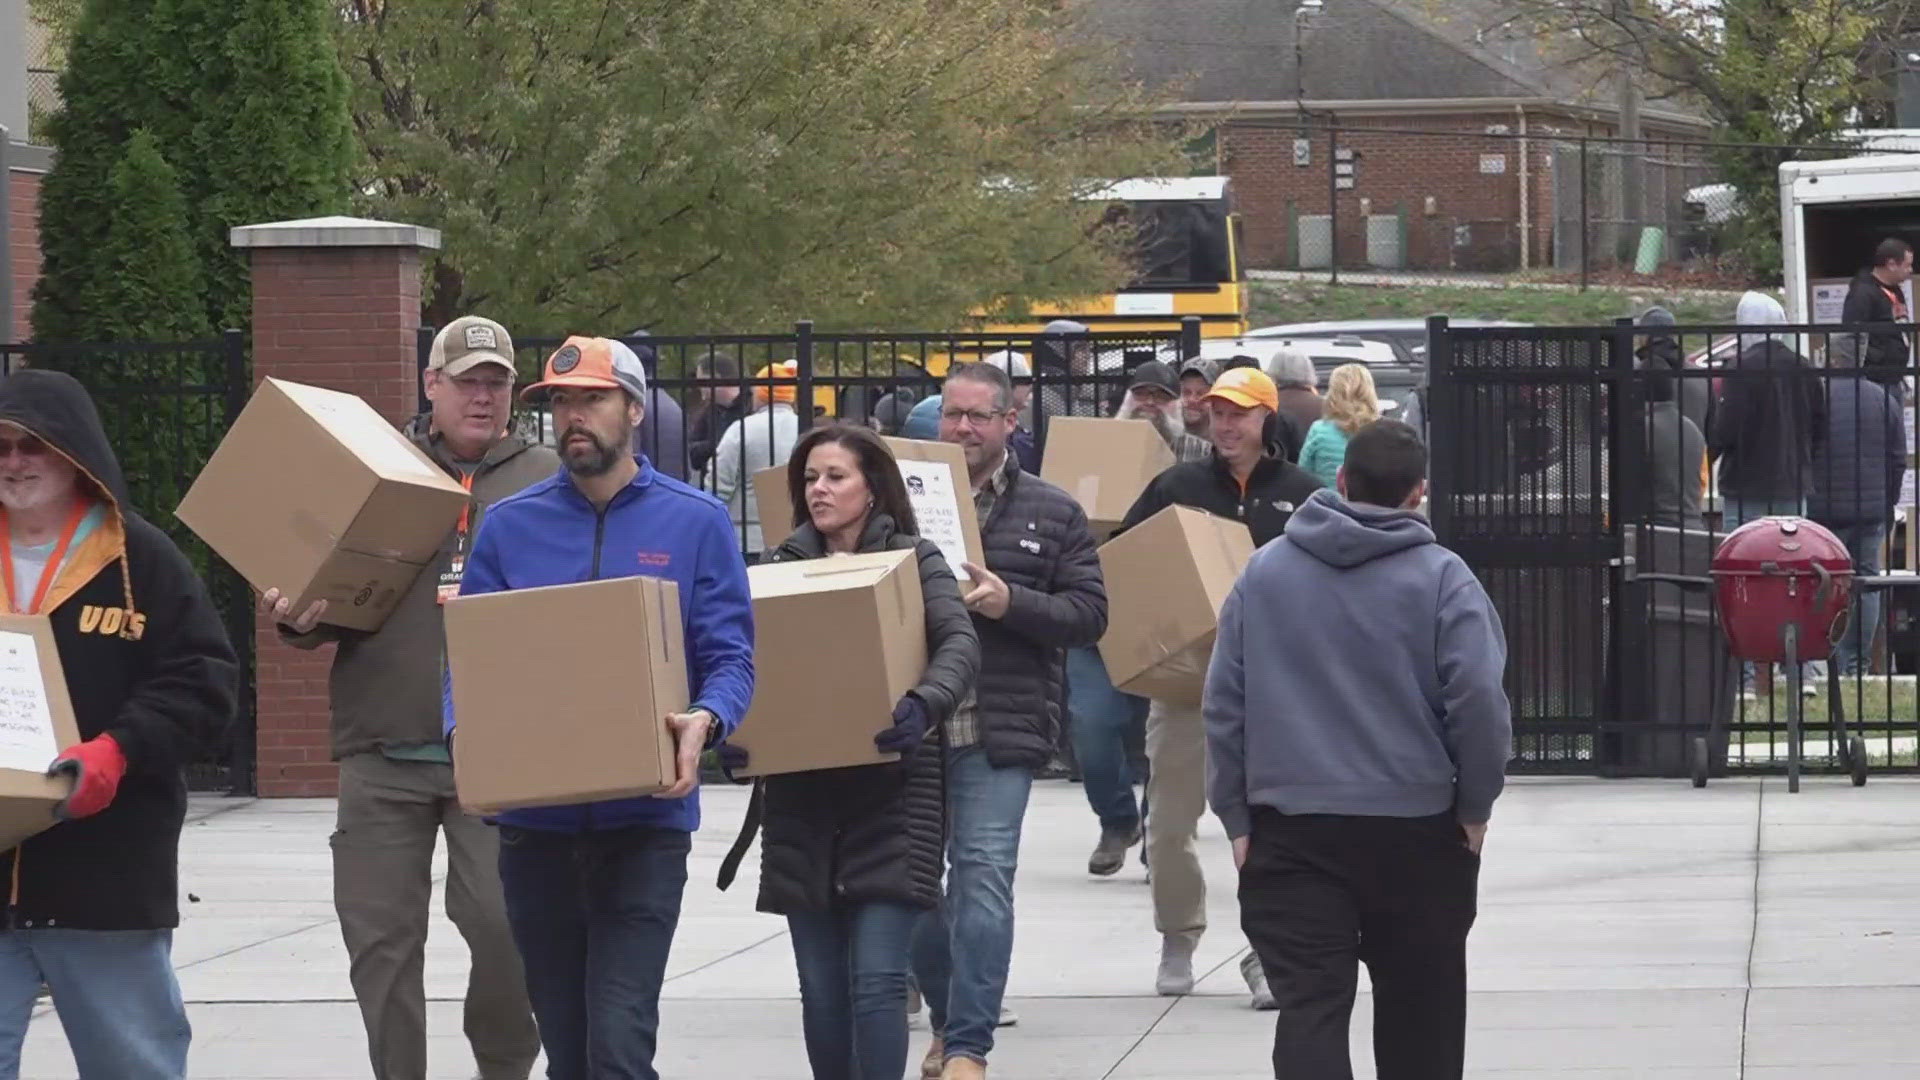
(593, 915)
(962, 951)
(1738, 512)
(116, 994)
(1852, 652)
(1101, 718)
(853, 988)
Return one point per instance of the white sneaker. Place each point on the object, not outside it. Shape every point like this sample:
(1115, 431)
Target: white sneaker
(1256, 976)
(1175, 978)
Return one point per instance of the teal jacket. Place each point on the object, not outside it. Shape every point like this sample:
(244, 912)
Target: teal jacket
(1324, 450)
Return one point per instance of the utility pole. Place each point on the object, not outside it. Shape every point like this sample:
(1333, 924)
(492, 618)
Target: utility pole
(1629, 153)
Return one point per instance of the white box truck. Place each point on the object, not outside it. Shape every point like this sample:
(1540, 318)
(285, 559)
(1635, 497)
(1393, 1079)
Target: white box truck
(1832, 214)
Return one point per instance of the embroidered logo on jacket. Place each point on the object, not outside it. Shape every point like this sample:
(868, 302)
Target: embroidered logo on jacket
(112, 622)
(657, 559)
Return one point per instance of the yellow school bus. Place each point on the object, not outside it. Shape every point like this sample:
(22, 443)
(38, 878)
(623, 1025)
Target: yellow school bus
(1189, 263)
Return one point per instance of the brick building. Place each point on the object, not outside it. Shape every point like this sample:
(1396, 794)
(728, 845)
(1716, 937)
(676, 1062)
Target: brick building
(21, 167)
(1455, 145)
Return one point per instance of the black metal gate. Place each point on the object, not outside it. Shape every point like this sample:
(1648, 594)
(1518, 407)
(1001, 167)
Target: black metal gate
(165, 407)
(1523, 465)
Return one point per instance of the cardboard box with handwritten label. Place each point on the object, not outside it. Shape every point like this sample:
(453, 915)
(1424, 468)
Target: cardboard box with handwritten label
(314, 493)
(935, 474)
(36, 723)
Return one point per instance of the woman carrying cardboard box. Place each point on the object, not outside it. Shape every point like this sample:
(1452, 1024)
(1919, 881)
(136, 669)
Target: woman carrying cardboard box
(852, 856)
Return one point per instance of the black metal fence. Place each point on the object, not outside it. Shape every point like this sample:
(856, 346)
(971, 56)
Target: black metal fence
(702, 387)
(165, 408)
(1571, 463)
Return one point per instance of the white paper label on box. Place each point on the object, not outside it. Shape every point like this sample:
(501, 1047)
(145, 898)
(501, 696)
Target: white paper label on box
(1829, 298)
(937, 507)
(27, 740)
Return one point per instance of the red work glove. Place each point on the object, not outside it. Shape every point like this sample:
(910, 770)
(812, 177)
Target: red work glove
(96, 767)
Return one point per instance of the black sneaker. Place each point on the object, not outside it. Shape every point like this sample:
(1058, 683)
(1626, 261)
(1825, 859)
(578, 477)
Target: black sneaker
(1110, 854)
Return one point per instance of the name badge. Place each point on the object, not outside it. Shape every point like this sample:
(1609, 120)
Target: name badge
(450, 579)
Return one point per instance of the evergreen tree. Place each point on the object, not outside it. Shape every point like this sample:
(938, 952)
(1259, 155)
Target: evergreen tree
(104, 101)
(152, 290)
(246, 101)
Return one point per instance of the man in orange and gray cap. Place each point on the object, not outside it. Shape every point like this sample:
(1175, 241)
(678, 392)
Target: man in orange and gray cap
(396, 777)
(593, 889)
(1247, 478)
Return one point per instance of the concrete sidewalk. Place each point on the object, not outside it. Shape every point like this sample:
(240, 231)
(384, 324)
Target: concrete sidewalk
(1637, 930)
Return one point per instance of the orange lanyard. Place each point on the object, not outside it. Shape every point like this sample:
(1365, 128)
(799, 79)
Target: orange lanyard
(47, 572)
(466, 481)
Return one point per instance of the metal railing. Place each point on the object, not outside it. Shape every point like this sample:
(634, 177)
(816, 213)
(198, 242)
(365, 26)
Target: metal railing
(1568, 463)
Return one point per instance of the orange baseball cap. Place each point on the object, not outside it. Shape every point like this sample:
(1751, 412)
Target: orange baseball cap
(1246, 387)
(591, 362)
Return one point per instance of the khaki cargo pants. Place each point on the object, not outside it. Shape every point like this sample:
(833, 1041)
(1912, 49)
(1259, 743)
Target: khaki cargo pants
(391, 816)
(1176, 797)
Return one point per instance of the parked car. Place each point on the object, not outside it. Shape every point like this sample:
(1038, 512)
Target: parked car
(1409, 336)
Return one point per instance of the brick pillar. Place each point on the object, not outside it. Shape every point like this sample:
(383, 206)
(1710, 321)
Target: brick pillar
(336, 303)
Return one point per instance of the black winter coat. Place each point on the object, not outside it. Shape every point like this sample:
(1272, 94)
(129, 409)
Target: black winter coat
(1888, 355)
(1857, 472)
(1037, 541)
(1768, 425)
(872, 832)
(1273, 491)
(147, 661)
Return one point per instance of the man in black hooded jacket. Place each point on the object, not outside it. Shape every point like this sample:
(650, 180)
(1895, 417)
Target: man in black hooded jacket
(93, 900)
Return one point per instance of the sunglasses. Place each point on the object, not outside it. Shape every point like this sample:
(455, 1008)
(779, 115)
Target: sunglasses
(26, 445)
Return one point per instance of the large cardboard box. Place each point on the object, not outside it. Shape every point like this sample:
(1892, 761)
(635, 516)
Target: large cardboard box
(1166, 579)
(935, 474)
(1103, 464)
(837, 642)
(562, 693)
(776, 509)
(36, 723)
(313, 493)
(942, 498)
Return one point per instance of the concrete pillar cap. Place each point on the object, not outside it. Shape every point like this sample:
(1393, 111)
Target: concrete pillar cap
(335, 232)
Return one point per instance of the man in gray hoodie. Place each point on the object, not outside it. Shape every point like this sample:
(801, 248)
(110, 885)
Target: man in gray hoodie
(1355, 746)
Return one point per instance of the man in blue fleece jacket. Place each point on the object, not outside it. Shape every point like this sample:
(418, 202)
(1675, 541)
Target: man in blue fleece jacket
(593, 891)
(1355, 746)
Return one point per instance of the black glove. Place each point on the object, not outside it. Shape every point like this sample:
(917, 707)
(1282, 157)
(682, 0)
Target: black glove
(732, 759)
(910, 722)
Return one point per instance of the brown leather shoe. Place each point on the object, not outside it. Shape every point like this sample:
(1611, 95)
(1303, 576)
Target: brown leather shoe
(964, 1069)
(935, 1062)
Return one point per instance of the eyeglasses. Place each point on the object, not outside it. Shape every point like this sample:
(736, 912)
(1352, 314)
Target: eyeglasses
(25, 445)
(977, 419)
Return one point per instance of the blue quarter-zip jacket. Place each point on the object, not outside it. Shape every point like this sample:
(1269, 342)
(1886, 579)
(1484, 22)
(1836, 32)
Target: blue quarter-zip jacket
(549, 534)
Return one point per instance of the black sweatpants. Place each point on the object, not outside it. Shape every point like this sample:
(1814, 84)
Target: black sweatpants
(1321, 894)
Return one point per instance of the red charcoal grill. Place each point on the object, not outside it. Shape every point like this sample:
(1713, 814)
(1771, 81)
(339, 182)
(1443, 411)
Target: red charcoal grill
(1783, 588)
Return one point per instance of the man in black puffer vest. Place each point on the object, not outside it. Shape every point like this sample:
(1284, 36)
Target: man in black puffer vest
(1040, 593)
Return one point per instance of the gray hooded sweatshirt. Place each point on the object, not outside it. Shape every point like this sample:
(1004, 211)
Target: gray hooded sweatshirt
(1357, 671)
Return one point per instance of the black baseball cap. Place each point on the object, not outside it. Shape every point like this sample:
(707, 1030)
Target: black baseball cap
(1156, 375)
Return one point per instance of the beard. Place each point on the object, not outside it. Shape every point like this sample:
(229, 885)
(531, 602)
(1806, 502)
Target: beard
(597, 459)
(52, 485)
